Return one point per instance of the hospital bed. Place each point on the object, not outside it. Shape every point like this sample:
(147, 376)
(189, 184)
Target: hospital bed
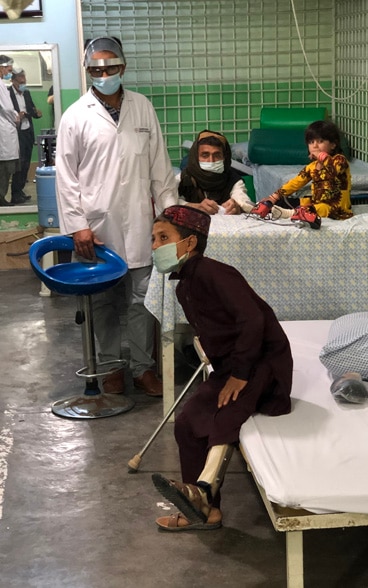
(310, 465)
(268, 178)
(276, 152)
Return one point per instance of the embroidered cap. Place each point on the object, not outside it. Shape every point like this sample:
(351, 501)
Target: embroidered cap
(188, 217)
(206, 133)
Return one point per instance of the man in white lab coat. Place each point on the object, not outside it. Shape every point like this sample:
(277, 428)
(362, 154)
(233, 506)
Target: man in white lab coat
(9, 119)
(113, 175)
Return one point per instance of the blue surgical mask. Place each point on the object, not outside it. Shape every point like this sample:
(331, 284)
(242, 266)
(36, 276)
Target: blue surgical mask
(216, 167)
(107, 85)
(22, 87)
(7, 76)
(165, 258)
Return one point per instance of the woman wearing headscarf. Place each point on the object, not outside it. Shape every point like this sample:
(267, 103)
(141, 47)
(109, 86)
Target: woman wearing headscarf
(208, 182)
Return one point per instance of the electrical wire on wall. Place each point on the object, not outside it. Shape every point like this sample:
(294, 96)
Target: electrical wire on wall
(347, 98)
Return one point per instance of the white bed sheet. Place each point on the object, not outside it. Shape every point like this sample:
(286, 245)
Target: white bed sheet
(316, 457)
(268, 178)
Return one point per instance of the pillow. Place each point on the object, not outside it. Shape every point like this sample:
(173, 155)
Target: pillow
(346, 349)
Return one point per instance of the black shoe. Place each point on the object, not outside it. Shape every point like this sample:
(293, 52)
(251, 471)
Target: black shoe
(3, 202)
(19, 199)
(26, 196)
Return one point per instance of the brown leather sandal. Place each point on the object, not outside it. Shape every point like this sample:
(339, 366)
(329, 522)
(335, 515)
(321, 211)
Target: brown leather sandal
(188, 498)
(178, 522)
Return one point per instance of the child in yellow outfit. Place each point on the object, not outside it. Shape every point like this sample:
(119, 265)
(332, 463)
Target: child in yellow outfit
(328, 172)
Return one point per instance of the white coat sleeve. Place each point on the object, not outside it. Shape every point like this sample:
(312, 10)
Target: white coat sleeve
(6, 106)
(164, 187)
(68, 192)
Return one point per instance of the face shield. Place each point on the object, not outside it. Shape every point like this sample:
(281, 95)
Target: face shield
(103, 44)
(5, 61)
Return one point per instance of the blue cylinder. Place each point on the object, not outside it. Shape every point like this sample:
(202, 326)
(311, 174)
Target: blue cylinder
(46, 196)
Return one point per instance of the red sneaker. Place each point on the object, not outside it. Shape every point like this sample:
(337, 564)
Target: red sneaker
(307, 214)
(262, 209)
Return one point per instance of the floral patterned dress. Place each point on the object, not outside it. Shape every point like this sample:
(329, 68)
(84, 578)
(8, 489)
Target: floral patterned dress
(330, 189)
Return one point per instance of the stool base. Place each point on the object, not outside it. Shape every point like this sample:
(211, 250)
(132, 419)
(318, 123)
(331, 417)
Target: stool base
(93, 406)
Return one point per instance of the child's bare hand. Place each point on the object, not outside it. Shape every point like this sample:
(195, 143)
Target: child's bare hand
(322, 156)
(230, 391)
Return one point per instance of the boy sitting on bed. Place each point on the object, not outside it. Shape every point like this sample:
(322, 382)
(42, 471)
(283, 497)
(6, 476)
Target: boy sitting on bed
(329, 173)
(250, 355)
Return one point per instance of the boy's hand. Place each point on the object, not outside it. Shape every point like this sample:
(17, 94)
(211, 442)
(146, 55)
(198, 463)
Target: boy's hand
(230, 391)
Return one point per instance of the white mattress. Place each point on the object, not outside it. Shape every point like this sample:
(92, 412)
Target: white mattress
(316, 457)
(268, 178)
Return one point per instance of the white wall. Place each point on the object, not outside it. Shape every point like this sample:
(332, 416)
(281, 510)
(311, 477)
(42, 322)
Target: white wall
(58, 25)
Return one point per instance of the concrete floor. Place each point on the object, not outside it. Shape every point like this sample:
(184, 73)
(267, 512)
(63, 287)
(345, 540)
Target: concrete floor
(71, 514)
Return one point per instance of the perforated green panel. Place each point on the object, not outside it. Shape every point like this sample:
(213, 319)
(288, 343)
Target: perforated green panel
(215, 63)
(351, 63)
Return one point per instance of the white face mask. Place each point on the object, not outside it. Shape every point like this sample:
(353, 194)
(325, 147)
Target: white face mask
(165, 258)
(107, 85)
(216, 167)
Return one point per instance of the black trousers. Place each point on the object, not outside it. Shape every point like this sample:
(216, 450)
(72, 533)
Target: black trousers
(7, 168)
(25, 154)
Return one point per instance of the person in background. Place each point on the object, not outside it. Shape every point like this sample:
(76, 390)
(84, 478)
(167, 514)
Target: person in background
(249, 353)
(50, 95)
(9, 119)
(23, 103)
(50, 100)
(208, 182)
(112, 173)
(329, 174)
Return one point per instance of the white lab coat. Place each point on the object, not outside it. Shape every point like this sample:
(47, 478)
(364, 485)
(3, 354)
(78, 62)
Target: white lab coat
(113, 179)
(9, 143)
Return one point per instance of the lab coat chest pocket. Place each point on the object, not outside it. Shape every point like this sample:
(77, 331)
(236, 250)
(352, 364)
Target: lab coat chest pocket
(138, 147)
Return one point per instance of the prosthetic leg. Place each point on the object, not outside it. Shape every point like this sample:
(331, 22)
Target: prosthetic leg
(211, 477)
(262, 209)
(194, 500)
(306, 215)
(300, 216)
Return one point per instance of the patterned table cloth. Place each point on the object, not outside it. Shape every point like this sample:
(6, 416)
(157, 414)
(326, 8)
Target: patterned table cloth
(303, 274)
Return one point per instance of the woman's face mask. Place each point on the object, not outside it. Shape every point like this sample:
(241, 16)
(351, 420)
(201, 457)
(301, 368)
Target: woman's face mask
(107, 85)
(165, 258)
(216, 167)
(7, 76)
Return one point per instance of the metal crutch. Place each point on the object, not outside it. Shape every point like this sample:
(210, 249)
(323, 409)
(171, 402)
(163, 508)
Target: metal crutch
(136, 460)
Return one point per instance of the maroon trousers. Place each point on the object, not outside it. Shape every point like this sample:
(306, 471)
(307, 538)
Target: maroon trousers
(202, 425)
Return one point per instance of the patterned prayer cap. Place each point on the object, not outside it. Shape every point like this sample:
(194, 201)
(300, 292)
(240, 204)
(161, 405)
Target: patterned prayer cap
(188, 217)
(206, 133)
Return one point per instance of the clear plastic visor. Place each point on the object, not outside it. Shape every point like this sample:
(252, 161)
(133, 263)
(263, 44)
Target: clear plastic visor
(105, 62)
(103, 44)
(6, 63)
